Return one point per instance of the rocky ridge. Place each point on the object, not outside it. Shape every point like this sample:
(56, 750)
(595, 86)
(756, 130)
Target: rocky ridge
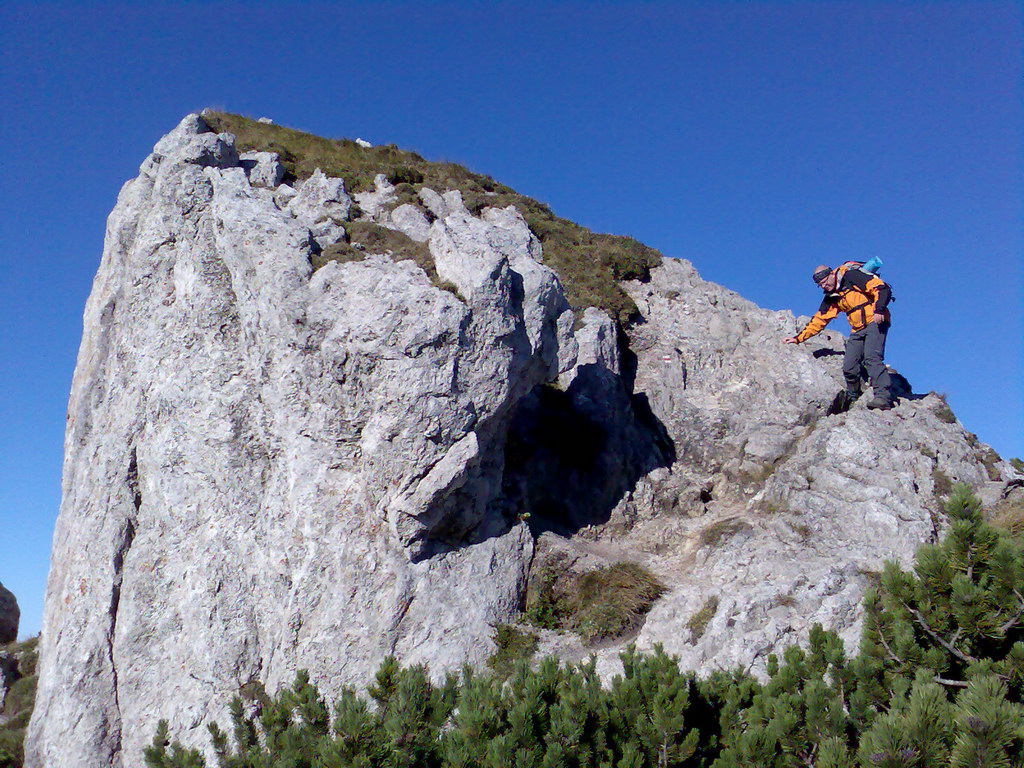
(271, 468)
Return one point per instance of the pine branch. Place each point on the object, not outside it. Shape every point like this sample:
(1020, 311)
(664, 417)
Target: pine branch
(950, 683)
(808, 756)
(964, 657)
(889, 650)
(1008, 625)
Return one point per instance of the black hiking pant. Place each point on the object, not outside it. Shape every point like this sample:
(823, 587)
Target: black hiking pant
(865, 351)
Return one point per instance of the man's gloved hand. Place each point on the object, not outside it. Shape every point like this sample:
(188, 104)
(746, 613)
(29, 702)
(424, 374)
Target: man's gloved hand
(790, 340)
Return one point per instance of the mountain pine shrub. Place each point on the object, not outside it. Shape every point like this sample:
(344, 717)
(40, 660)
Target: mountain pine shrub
(958, 613)
(804, 704)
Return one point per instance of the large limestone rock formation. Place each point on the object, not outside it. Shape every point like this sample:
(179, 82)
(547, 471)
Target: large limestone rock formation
(270, 469)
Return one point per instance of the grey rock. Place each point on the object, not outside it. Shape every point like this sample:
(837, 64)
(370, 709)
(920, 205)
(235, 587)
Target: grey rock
(263, 168)
(373, 203)
(193, 142)
(321, 205)
(769, 509)
(270, 470)
(265, 120)
(283, 195)
(453, 202)
(10, 615)
(598, 345)
(433, 202)
(411, 221)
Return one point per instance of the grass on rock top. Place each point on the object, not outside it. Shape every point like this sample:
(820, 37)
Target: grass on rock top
(365, 237)
(590, 265)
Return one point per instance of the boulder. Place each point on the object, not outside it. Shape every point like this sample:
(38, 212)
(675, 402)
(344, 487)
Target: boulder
(10, 615)
(322, 206)
(263, 168)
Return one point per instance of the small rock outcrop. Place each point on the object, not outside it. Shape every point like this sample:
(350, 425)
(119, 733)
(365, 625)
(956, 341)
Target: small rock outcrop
(270, 468)
(10, 615)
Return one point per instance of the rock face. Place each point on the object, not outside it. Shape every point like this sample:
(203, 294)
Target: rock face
(10, 615)
(771, 516)
(709, 459)
(269, 469)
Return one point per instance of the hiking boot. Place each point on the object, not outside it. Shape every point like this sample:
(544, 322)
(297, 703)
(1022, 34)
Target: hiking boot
(878, 403)
(842, 401)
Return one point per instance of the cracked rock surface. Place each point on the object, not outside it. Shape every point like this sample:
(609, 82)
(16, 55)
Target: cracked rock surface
(768, 516)
(269, 469)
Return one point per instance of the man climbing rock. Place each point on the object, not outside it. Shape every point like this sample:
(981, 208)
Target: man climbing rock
(864, 297)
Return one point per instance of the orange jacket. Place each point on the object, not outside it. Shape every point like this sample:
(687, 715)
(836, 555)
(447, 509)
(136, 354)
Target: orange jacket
(860, 295)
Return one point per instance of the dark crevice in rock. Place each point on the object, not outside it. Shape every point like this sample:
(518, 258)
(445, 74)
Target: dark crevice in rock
(571, 455)
(628, 361)
(126, 537)
(132, 480)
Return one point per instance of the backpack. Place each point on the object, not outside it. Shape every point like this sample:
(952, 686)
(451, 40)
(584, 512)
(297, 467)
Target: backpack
(872, 266)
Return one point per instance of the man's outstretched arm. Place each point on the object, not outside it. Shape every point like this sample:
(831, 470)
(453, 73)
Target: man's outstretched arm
(825, 314)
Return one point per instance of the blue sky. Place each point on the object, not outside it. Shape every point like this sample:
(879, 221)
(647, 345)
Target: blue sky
(756, 139)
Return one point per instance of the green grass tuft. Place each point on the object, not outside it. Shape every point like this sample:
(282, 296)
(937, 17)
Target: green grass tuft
(513, 646)
(721, 530)
(612, 601)
(698, 623)
(943, 486)
(365, 237)
(601, 604)
(943, 412)
(804, 531)
(543, 606)
(990, 460)
(1008, 514)
(589, 264)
